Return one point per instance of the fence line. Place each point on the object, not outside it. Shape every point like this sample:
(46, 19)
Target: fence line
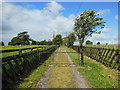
(12, 50)
(17, 66)
(108, 57)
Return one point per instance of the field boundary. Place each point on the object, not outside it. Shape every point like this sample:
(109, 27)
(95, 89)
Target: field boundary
(108, 57)
(15, 67)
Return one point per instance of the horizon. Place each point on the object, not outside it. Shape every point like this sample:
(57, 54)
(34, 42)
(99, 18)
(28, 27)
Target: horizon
(43, 19)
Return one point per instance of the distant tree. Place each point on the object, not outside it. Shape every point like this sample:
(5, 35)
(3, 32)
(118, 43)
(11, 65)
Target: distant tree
(44, 42)
(69, 40)
(21, 39)
(106, 43)
(57, 40)
(49, 42)
(85, 25)
(98, 43)
(65, 41)
(2, 43)
(88, 42)
(15, 41)
(24, 38)
(33, 42)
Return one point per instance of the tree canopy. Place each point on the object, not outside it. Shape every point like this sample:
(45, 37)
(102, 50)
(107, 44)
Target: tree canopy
(2, 43)
(85, 25)
(98, 43)
(57, 40)
(88, 42)
(44, 42)
(69, 40)
(21, 39)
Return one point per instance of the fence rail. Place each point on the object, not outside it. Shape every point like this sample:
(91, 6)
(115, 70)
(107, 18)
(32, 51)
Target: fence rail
(108, 57)
(12, 50)
(17, 66)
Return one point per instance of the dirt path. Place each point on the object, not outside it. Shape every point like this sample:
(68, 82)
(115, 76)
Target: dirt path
(43, 83)
(62, 74)
(79, 79)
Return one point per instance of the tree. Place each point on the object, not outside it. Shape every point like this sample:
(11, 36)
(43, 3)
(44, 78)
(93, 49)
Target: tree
(33, 43)
(98, 43)
(69, 40)
(85, 25)
(57, 40)
(24, 38)
(44, 42)
(21, 39)
(88, 42)
(2, 43)
(49, 42)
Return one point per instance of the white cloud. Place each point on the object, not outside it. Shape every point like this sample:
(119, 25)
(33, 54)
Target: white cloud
(41, 24)
(104, 38)
(54, 7)
(116, 17)
(105, 30)
(104, 12)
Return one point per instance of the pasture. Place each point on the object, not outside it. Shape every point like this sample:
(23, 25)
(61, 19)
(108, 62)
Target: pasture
(23, 65)
(18, 47)
(111, 46)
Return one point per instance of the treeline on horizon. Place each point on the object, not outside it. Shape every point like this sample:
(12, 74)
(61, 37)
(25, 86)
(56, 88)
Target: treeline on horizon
(23, 38)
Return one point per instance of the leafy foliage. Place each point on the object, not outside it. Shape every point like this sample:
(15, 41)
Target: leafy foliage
(98, 43)
(34, 42)
(2, 43)
(85, 25)
(44, 42)
(21, 39)
(57, 40)
(69, 40)
(88, 42)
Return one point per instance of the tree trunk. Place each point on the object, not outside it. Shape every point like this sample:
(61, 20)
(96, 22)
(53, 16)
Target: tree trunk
(82, 55)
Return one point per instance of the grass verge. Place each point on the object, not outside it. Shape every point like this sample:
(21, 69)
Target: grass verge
(98, 75)
(61, 75)
(35, 76)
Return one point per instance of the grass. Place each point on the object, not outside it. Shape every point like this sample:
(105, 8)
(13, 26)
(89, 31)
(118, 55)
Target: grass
(17, 47)
(61, 76)
(115, 46)
(35, 76)
(96, 73)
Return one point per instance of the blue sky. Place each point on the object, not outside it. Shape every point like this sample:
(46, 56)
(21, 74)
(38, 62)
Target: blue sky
(63, 14)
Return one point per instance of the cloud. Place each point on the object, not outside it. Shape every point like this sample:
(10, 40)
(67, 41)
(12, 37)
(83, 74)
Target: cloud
(40, 24)
(104, 38)
(105, 30)
(54, 7)
(104, 12)
(116, 17)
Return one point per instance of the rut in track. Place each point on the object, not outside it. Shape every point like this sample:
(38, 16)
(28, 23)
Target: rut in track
(62, 74)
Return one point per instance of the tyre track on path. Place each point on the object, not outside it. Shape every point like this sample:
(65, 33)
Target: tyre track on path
(43, 82)
(79, 80)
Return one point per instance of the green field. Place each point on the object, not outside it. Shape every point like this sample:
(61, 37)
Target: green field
(98, 75)
(18, 47)
(115, 46)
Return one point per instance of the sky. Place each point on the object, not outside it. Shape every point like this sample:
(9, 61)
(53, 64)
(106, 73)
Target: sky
(42, 19)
